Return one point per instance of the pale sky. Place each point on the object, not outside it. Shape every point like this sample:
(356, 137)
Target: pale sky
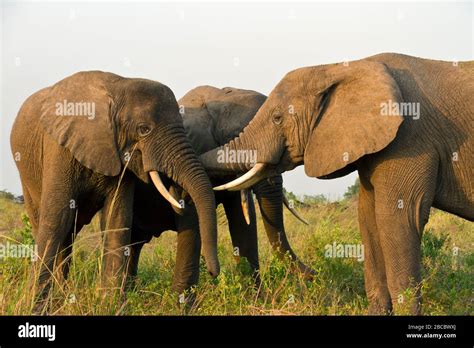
(184, 45)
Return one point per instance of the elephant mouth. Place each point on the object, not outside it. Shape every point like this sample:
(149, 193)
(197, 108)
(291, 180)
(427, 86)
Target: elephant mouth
(155, 177)
(262, 170)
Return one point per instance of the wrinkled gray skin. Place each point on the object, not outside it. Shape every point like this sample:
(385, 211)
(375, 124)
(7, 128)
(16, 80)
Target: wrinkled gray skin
(330, 118)
(212, 117)
(70, 166)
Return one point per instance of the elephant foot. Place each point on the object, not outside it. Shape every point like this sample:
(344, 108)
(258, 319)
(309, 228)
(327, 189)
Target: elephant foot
(376, 309)
(412, 307)
(41, 302)
(380, 306)
(187, 300)
(308, 273)
(40, 307)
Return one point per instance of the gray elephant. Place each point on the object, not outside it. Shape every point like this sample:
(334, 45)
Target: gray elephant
(83, 144)
(211, 117)
(404, 123)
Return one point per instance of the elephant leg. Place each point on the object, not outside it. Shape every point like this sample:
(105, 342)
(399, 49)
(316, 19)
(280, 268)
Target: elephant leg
(244, 237)
(270, 199)
(186, 272)
(139, 238)
(135, 250)
(403, 199)
(63, 260)
(55, 222)
(374, 268)
(116, 223)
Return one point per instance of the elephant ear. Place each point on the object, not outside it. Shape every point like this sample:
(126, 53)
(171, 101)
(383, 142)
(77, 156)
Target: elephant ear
(77, 114)
(351, 122)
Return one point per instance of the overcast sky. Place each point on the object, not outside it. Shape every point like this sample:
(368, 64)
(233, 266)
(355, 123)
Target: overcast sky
(184, 45)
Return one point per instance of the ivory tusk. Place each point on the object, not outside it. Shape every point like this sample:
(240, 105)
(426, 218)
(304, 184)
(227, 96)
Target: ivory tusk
(248, 179)
(244, 201)
(155, 177)
(293, 211)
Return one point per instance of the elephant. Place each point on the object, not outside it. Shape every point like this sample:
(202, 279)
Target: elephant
(84, 145)
(211, 117)
(404, 123)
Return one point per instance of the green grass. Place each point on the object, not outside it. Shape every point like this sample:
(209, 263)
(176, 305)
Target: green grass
(338, 288)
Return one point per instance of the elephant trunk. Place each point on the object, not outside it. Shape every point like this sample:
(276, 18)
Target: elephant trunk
(270, 198)
(197, 184)
(177, 159)
(254, 144)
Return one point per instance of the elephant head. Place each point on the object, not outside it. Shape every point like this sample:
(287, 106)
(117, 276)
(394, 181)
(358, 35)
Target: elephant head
(212, 117)
(326, 117)
(111, 124)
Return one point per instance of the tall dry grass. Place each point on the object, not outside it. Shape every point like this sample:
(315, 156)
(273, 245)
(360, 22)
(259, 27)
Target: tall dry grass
(338, 288)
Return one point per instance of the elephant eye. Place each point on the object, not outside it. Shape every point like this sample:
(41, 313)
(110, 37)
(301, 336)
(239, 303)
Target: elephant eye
(277, 118)
(143, 129)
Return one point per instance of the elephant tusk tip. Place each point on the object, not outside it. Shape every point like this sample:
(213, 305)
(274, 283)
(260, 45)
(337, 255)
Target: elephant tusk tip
(303, 220)
(177, 205)
(155, 177)
(293, 211)
(245, 181)
(245, 197)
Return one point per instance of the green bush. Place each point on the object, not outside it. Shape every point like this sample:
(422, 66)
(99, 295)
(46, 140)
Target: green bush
(352, 190)
(24, 235)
